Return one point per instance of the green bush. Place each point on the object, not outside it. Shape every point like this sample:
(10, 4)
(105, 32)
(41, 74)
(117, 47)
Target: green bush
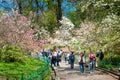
(15, 69)
(0, 53)
(115, 59)
(13, 63)
(11, 54)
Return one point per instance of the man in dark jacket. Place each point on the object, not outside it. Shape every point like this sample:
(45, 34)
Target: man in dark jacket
(101, 55)
(72, 60)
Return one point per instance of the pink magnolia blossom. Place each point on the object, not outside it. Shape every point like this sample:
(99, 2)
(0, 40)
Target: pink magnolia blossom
(6, 17)
(17, 14)
(17, 32)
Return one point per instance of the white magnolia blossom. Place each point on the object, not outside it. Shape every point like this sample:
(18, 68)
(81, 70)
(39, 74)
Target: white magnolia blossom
(111, 19)
(66, 24)
(63, 35)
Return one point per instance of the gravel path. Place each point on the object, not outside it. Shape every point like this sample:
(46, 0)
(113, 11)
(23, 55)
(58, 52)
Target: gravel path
(65, 73)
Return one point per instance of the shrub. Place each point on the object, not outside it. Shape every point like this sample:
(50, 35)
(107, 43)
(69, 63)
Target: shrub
(11, 54)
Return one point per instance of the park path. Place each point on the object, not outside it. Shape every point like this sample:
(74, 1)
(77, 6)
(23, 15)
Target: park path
(65, 73)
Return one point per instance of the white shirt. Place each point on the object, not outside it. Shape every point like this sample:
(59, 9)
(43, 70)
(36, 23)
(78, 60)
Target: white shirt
(55, 54)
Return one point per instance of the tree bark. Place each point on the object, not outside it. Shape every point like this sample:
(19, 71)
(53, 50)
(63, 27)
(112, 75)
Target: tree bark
(20, 9)
(59, 11)
(20, 6)
(37, 9)
(37, 6)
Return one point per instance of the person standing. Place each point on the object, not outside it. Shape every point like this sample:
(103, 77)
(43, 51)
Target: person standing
(72, 59)
(92, 61)
(49, 52)
(60, 53)
(54, 58)
(97, 58)
(43, 53)
(68, 60)
(101, 55)
(82, 63)
(65, 56)
(58, 59)
(85, 57)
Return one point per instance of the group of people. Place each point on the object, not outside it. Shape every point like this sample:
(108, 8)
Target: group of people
(85, 60)
(92, 60)
(55, 56)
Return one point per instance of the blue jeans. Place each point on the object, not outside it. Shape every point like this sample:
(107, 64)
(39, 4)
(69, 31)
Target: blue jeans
(82, 66)
(92, 64)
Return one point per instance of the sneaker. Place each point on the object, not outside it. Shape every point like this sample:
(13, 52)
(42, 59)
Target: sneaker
(91, 72)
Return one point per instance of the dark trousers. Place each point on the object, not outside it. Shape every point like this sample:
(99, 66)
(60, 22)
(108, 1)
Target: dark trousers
(57, 63)
(72, 65)
(54, 61)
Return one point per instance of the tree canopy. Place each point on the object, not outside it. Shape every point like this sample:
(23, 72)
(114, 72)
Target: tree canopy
(96, 21)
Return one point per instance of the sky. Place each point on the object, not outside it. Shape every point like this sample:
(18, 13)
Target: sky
(65, 6)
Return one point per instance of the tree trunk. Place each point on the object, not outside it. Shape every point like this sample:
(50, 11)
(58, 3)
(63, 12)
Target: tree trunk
(20, 6)
(59, 11)
(37, 9)
(37, 6)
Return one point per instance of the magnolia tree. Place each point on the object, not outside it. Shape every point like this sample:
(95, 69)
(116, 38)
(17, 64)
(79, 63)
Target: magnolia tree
(15, 30)
(109, 33)
(84, 34)
(63, 35)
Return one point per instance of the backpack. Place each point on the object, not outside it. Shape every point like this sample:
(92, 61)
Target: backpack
(97, 54)
(46, 54)
(72, 57)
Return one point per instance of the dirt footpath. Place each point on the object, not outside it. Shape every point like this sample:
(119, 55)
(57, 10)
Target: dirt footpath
(65, 73)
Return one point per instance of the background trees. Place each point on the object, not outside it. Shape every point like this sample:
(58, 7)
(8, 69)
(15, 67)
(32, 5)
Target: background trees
(104, 15)
(96, 22)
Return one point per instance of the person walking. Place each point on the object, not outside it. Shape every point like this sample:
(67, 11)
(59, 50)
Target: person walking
(82, 63)
(58, 59)
(65, 56)
(72, 59)
(92, 61)
(54, 58)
